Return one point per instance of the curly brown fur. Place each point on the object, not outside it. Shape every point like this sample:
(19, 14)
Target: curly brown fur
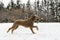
(26, 23)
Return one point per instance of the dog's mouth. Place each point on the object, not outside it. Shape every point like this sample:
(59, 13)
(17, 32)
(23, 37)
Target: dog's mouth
(37, 20)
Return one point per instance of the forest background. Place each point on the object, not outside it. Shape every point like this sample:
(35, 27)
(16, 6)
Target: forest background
(47, 10)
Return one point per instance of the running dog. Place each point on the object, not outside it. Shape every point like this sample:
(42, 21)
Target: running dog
(28, 23)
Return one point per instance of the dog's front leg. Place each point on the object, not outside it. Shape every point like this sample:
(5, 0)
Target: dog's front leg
(31, 28)
(36, 27)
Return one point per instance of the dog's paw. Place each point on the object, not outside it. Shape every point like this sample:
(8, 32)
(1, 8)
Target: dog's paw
(37, 28)
(34, 33)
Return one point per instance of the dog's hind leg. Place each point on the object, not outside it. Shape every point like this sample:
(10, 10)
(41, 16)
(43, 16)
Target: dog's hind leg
(16, 26)
(12, 30)
(9, 29)
(32, 30)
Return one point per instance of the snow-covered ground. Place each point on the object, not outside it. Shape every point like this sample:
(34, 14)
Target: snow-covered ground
(47, 31)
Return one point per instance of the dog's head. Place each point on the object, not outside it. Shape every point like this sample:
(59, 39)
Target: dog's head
(36, 18)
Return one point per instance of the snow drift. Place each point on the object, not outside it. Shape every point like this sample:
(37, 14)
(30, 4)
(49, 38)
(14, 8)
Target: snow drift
(47, 31)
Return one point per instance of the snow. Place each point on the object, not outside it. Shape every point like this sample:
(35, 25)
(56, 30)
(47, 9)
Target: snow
(47, 31)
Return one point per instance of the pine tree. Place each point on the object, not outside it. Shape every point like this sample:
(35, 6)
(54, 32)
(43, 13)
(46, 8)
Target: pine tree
(1, 5)
(18, 4)
(38, 4)
(56, 10)
(35, 7)
(23, 8)
(45, 2)
(8, 7)
(28, 5)
(12, 3)
(52, 10)
(38, 7)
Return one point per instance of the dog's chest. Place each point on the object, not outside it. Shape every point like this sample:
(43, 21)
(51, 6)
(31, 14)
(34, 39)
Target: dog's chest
(29, 24)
